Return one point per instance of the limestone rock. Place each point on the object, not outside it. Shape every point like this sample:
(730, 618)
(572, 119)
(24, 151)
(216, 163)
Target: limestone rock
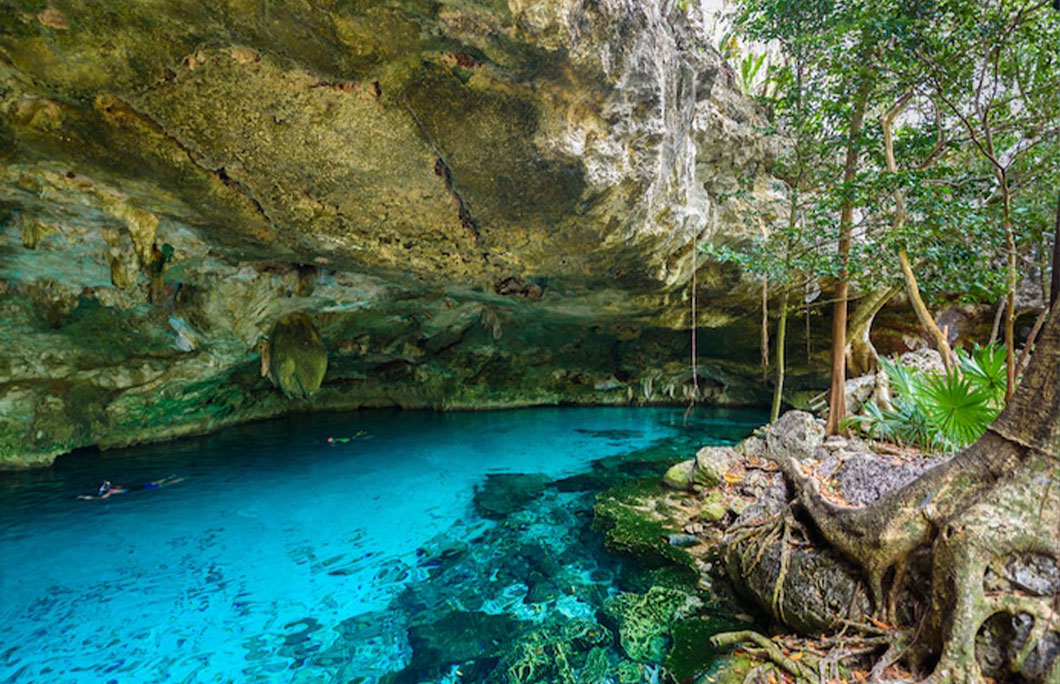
(820, 588)
(458, 637)
(679, 476)
(858, 391)
(925, 360)
(712, 462)
(713, 508)
(644, 621)
(476, 205)
(297, 358)
(795, 434)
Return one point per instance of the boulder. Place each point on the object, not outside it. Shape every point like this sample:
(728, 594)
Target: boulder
(795, 434)
(680, 475)
(712, 462)
(925, 360)
(713, 509)
(820, 588)
(459, 637)
(858, 391)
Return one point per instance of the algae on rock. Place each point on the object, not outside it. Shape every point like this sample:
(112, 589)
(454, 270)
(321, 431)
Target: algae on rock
(644, 621)
(294, 357)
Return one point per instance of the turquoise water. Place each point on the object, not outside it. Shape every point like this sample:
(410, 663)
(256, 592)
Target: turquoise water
(281, 557)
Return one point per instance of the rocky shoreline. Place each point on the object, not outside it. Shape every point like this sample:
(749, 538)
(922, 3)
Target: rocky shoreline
(724, 519)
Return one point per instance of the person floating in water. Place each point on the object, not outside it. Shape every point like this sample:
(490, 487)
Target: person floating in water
(361, 434)
(107, 489)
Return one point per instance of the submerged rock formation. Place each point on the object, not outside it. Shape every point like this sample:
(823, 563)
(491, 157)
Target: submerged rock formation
(479, 204)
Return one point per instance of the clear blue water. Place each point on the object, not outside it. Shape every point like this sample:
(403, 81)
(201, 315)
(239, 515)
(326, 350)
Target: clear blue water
(281, 557)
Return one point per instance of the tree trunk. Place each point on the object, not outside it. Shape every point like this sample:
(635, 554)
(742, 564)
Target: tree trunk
(782, 325)
(1054, 289)
(1010, 311)
(927, 322)
(861, 355)
(837, 401)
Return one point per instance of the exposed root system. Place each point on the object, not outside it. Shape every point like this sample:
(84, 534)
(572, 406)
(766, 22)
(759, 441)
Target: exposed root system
(994, 503)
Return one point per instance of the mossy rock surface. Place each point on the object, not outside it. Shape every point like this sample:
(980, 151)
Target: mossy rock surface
(297, 357)
(728, 669)
(690, 653)
(632, 524)
(644, 621)
(572, 654)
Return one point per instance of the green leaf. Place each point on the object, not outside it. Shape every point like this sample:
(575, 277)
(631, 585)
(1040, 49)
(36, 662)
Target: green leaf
(957, 408)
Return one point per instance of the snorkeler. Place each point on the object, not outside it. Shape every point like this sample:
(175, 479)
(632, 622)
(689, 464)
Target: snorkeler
(107, 489)
(361, 434)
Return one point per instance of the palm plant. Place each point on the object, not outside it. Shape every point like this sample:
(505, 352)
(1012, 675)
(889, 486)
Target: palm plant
(939, 411)
(985, 366)
(957, 408)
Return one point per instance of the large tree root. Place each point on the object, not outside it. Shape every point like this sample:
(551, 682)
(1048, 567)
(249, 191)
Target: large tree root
(816, 663)
(1021, 516)
(998, 498)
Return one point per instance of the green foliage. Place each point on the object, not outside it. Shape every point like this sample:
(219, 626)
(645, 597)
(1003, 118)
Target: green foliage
(978, 76)
(750, 65)
(986, 368)
(939, 411)
(957, 408)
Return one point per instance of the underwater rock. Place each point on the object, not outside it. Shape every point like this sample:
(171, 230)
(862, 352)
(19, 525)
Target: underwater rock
(572, 654)
(459, 637)
(541, 589)
(644, 621)
(691, 653)
(624, 514)
(504, 493)
(295, 359)
(682, 540)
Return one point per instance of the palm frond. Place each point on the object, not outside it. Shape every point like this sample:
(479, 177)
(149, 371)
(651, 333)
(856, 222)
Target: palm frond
(957, 407)
(985, 367)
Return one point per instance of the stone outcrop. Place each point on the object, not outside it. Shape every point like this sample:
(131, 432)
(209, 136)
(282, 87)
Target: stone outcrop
(294, 357)
(476, 204)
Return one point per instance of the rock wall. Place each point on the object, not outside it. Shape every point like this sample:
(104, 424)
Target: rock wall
(477, 204)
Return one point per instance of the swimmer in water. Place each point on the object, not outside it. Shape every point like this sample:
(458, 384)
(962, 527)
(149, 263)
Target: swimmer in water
(360, 434)
(107, 489)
